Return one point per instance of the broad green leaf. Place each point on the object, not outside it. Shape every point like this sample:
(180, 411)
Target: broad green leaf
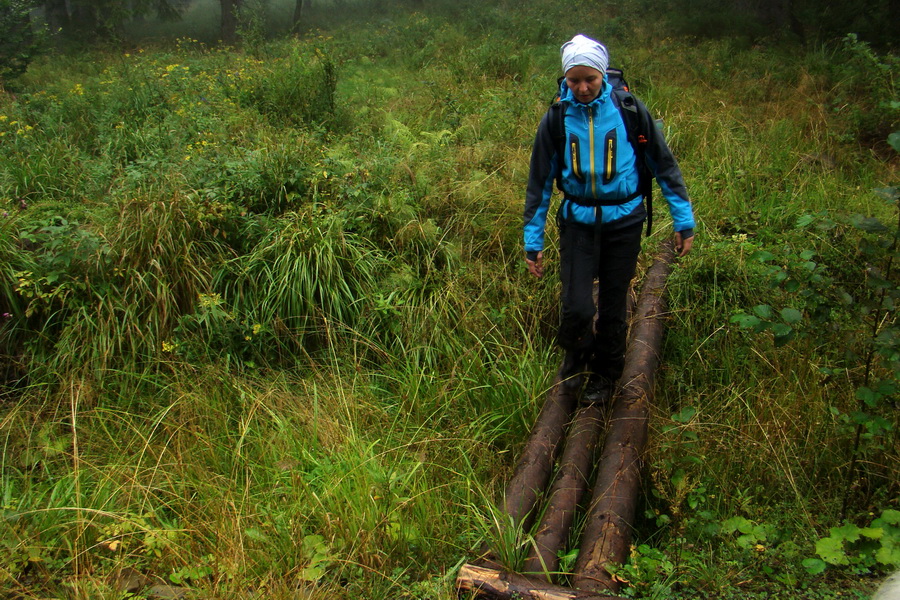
(814, 566)
(889, 517)
(848, 532)
(887, 388)
(832, 551)
(873, 533)
(746, 321)
(762, 256)
(888, 555)
(791, 315)
(734, 524)
(763, 311)
(868, 396)
(891, 194)
(783, 333)
(805, 220)
(685, 414)
(894, 140)
(869, 224)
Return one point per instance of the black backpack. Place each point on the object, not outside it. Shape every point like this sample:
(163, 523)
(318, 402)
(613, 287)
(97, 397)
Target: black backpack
(637, 134)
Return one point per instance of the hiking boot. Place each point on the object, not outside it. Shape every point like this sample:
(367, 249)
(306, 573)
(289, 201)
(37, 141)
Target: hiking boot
(572, 369)
(599, 390)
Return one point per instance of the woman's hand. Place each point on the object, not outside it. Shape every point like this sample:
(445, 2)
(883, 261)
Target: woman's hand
(683, 246)
(536, 267)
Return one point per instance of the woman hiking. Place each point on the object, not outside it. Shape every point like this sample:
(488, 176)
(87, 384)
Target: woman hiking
(593, 144)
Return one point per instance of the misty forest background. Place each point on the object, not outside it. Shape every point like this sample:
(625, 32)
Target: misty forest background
(266, 330)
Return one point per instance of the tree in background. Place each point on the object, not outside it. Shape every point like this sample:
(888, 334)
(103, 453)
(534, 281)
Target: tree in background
(807, 20)
(299, 7)
(20, 42)
(77, 19)
(230, 10)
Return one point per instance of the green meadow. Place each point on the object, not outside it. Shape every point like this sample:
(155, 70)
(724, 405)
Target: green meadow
(267, 330)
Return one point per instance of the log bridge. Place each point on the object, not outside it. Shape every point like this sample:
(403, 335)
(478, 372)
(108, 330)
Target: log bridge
(563, 441)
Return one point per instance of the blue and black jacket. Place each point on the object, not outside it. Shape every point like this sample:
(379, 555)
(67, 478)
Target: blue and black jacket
(599, 166)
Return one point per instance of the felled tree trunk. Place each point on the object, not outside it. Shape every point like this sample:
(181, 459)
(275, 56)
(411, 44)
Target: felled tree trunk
(607, 533)
(571, 483)
(500, 585)
(532, 473)
(536, 463)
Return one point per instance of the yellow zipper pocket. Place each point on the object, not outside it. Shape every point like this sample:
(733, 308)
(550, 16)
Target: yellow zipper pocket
(575, 156)
(609, 156)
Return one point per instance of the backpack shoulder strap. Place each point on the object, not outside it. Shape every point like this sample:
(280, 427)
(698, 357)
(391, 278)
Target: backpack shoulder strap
(638, 136)
(556, 120)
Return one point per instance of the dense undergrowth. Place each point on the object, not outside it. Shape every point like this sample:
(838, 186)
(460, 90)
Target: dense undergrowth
(266, 326)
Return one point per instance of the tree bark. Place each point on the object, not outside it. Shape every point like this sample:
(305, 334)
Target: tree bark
(607, 533)
(568, 489)
(500, 585)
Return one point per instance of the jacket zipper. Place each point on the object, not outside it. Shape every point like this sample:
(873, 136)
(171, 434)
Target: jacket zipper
(576, 167)
(609, 157)
(591, 144)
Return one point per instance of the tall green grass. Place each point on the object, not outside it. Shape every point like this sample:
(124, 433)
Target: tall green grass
(269, 327)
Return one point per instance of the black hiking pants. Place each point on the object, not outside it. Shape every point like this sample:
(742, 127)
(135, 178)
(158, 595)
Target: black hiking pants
(613, 263)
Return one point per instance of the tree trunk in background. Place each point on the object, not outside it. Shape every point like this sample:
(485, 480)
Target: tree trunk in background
(776, 14)
(83, 17)
(298, 15)
(229, 20)
(56, 14)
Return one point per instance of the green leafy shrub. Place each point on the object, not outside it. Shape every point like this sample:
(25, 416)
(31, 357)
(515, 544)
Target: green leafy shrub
(871, 116)
(875, 548)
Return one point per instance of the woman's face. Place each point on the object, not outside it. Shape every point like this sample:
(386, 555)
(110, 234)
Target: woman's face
(584, 82)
